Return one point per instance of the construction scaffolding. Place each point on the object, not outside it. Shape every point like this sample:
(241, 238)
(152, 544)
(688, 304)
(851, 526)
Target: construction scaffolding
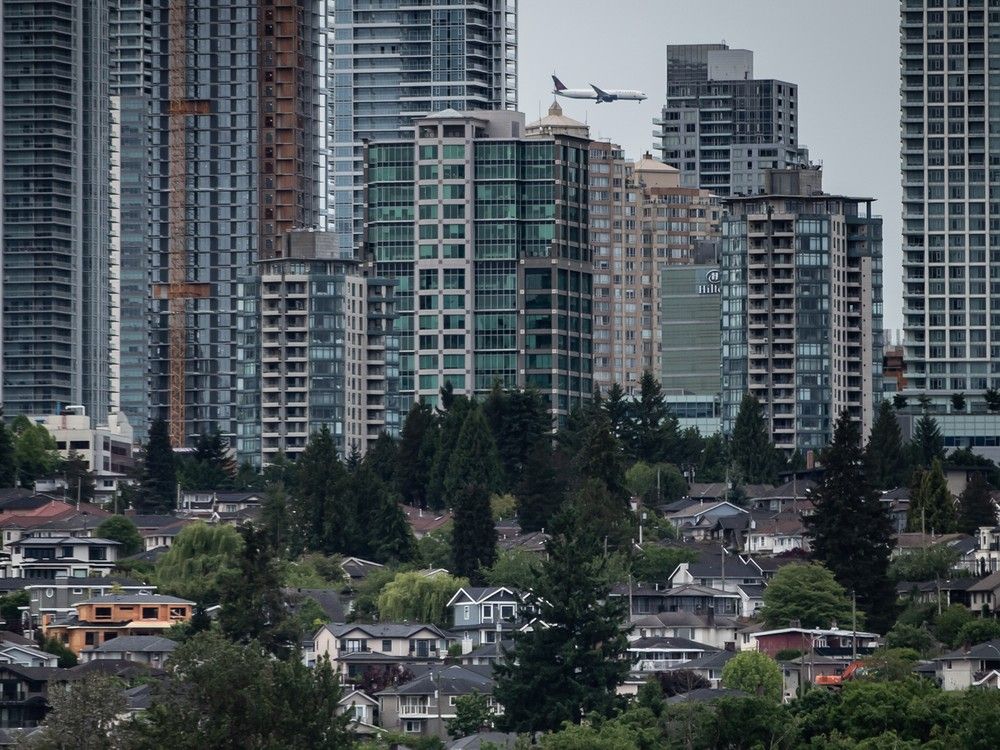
(178, 289)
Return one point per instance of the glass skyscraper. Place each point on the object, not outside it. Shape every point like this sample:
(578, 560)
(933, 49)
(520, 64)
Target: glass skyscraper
(950, 170)
(56, 136)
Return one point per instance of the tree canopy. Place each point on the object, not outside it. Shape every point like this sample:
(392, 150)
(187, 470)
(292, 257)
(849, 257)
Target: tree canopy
(806, 593)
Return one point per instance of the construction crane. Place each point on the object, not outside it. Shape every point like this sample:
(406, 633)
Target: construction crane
(178, 290)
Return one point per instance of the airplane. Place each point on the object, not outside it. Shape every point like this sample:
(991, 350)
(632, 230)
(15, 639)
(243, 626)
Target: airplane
(598, 95)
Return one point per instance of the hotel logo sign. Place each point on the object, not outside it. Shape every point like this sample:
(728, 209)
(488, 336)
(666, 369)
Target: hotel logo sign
(708, 281)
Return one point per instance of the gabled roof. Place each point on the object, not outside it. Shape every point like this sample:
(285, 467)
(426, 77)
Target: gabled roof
(70, 582)
(480, 594)
(329, 600)
(135, 643)
(449, 680)
(715, 660)
(795, 489)
(694, 589)
(357, 567)
(10, 638)
(357, 696)
(986, 651)
(989, 583)
(122, 668)
(382, 629)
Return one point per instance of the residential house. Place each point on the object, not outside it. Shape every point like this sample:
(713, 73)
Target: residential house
(158, 530)
(692, 597)
(17, 650)
(643, 599)
(423, 522)
(717, 632)
(947, 592)
(977, 666)
(987, 554)
(896, 503)
(487, 653)
(104, 618)
(751, 598)
(213, 505)
(709, 666)
(777, 533)
(824, 642)
(698, 520)
(984, 594)
(423, 705)
(658, 654)
(363, 710)
(963, 545)
(51, 557)
(153, 650)
(23, 692)
(354, 648)
(794, 495)
(722, 570)
(483, 614)
(59, 596)
(357, 569)
(532, 541)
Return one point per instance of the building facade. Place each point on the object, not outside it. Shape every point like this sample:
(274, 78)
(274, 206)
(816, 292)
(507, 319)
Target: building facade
(641, 221)
(318, 351)
(484, 228)
(721, 126)
(55, 140)
(396, 61)
(951, 309)
(801, 284)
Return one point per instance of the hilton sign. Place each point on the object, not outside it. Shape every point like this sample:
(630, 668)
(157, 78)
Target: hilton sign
(708, 282)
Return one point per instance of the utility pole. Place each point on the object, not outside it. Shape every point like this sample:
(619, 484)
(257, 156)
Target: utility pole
(854, 625)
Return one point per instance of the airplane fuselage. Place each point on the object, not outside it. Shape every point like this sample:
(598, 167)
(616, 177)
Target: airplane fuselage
(605, 96)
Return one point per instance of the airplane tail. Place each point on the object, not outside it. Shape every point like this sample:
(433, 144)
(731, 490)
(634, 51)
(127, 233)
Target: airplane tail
(558, 84)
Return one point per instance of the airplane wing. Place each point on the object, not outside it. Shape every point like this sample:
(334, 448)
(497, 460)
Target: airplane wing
(602, 96)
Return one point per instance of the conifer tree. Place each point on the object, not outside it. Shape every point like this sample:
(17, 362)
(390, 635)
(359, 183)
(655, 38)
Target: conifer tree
(414, 460)
(849, 531)
(975, 505)
(158, 489)
(600, 457)
(390, 537)
(450, 424)
(8, 464)
(651, 432)
(274, 517)
(617, 407)
(884, 452)
(753, 454)
(383, 457)
(541, 490)
(927, 444)
(932, 507)
(517, 420)
(79, 478)
(474, 458)
(314, 508)
(474, 536)
(572, 666)
(571, 434)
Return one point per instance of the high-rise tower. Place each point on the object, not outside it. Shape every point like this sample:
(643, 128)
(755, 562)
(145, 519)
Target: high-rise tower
(56, 136)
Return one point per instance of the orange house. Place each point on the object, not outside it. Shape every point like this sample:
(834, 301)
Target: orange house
(103, 618)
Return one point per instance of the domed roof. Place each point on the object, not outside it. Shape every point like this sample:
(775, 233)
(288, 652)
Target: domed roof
(556, 122)
(648, 164)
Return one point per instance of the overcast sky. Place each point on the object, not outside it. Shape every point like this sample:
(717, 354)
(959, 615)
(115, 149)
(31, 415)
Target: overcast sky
(843, 54)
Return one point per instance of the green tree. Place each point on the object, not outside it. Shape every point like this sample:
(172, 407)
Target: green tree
(518, 420)
(925, 564)
(541, 490)
(978, 631)
(413, 459)
(932, 507)
(383, 458)
(753, 454)
(78, 477)
(158, 486)
(651, 433)
(418, 597)
(212, 466)
(573, 666)
(275, 517)
(199, 558)
(474, 537)
(754, 673)
(516, 569)
(950, 622)
(434, 549)
(84, 714)
(474, 460)
(975, 506)
(605, 515)
(450, 423)
(927, 444)
(915, 637)
(617, 407)
(390, 537)
(655, 484)
(886, 462)
(11, 607)
(315, 512)
(8, 460)
(714, 459)
(600, 458)
(849, 531)
(472, 714)
(122, 530)
(899, 401)
(992, 398)
(655, 563)
(67, 658)
(228, 696)
(35, 452)
(253, 608)
(807, 593)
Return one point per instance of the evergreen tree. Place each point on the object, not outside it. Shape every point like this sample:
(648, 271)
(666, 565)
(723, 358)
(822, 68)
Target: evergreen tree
(8, 463)
(992, 398)
(975, 506)
(714, 459)
(899, 401)
(849, 531)
(572, 433)
(753, 454)
(927, 444)
(316, 521)
(474, 458)
(253, 608)
(212, 466)
(353, 459)
(413, 460)
(450, 425)
(572, 665)
(617, 407)
(366, 499)
(79, 478)
(390, 537)
(958, 402)
(600, 457)
(604, 515)
(541, 489)
(275, 519)
(158, 488)
(474, 536)
(651, 432)
(517, 420)
(886, 464)
(383, 458)
(932, 508)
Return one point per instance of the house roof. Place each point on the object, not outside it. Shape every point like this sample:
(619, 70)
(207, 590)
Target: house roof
(715, 660)
(70, 582)
(9, 637)
(136, 599)
(490, 650)
(139, 698)
(122, 668)
(666, 643)
(693, 589)
(423, 521)
(792, 490)
(705, 694)
(135, 643)
(918, 540)
(151, 520)
(681, 619)
(479, 740)
(710, 566)
(329, 600)
(533, 541)
(383, 629)
(36, 674)
(357, 567)
(989, 583)
(987, 651)
(479, 594)
(149, 555)
(356, 696)
(449, 680)
(839, 632)
(63, 539)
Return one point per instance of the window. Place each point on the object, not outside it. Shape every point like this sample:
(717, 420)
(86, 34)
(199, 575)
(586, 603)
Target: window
(150, 613)
(411, 727)
(452, 700)
(465, 612)
(98, 553)
(89, 639)
(102, 613)
(178, 613)
(487, 612)
(454, 152)
(506, 611)
(386, 646)
(428, 152)
(66, 552)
